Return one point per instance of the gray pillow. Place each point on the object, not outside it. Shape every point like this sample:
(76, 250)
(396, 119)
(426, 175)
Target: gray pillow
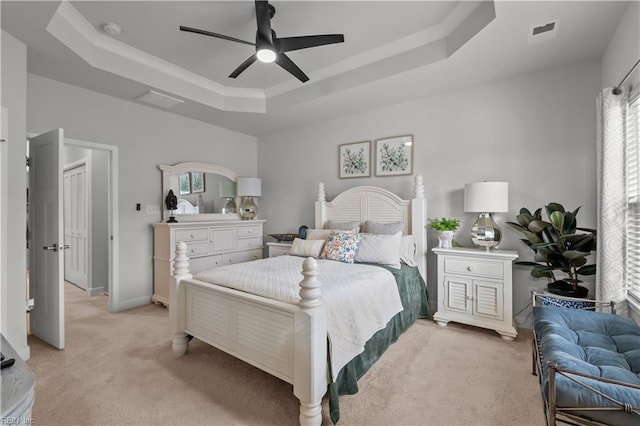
(352, 226)
(373, 227)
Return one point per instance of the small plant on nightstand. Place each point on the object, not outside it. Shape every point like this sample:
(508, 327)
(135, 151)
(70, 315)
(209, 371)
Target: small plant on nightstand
(446, 227)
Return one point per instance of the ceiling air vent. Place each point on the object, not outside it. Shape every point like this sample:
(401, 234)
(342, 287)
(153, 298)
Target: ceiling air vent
(543, 32)
(159, 100)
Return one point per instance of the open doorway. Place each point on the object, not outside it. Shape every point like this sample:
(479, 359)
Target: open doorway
(90, 198)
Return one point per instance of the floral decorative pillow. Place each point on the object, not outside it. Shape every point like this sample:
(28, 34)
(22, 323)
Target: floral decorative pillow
(341, 247)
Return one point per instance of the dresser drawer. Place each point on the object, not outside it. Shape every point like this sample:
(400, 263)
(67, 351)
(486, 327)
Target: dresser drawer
(195, 234)
(243, 256)
(198, 249)
(247, 243)
(250, 231)
(201, 263)
(473, 267)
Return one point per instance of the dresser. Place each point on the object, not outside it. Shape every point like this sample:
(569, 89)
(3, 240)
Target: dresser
(209, 244)
(475, 287)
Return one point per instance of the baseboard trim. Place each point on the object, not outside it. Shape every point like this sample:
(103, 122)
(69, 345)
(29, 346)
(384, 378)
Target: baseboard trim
(132, 303)
(95, 291)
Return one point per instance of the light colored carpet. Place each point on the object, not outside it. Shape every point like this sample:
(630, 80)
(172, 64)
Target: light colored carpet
(118, 369)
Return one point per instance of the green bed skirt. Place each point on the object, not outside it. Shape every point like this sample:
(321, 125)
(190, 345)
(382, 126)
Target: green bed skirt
(413, 294)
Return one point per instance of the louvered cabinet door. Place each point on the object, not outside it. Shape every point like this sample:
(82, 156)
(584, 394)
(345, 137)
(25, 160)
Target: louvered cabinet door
(475, 287)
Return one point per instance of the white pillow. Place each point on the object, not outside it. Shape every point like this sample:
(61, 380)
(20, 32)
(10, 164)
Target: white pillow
(323, 234)
(373, 227)
(306, 248)
(408, 250)
(382, 249)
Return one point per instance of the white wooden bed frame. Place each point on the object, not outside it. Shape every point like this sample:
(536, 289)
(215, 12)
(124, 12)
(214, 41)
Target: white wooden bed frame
(287, 341)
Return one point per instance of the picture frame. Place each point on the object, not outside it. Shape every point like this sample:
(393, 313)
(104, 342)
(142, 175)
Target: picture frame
(394, 156)
(354, 160)
(197, 182)
(184, 184)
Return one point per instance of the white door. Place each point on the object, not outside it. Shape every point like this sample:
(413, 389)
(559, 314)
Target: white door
(47, 231)
(75, 226)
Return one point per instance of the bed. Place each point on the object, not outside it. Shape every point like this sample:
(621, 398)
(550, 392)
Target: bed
(290, 340)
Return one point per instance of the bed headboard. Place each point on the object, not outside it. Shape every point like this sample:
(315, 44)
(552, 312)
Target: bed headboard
(364, 203)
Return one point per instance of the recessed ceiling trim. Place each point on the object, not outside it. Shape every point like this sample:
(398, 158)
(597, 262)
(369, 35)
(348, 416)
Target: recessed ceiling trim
(422, 48)
(111, 55)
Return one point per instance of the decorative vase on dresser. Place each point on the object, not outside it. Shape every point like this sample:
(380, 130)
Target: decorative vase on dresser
(475, 287)
(210, 244)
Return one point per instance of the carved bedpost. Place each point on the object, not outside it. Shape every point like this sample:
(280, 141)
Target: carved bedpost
(177, 308)
(418, 222)
(321, 212)
(310, 347)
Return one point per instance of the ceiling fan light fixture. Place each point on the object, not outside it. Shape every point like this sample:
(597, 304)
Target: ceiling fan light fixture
(266, 54)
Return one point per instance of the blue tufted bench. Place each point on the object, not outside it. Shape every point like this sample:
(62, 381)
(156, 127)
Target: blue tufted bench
(588, 365)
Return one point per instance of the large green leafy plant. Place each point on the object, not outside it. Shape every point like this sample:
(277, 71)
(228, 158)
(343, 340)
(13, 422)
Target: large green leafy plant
(559, 245)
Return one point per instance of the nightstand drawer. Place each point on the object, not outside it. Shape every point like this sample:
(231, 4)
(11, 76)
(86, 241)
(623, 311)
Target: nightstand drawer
(473, 267)
(250, 231)
(194, 234)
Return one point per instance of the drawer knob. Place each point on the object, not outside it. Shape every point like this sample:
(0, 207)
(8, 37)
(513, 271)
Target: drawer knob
(471, 268)
(193, 235)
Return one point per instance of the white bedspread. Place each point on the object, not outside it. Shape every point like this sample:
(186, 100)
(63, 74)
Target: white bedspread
(359, 299)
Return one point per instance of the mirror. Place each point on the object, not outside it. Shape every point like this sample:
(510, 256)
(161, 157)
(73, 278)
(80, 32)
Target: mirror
(204, 191)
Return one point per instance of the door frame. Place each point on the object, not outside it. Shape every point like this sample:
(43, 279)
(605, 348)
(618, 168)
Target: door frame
(113, 218)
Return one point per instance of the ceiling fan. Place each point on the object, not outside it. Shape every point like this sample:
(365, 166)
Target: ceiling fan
(270, 48)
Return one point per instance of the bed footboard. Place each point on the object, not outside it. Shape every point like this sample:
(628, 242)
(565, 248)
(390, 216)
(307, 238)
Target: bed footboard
(286, 341)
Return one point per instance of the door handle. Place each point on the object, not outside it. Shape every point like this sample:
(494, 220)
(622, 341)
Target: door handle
(51, 248)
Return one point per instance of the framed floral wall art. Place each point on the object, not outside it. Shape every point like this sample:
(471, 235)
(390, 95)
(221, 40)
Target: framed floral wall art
(197, 182)
(184, 184)
(394, 156)
(355, 160)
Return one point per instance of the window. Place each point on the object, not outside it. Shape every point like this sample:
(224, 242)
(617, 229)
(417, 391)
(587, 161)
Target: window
(633, 197)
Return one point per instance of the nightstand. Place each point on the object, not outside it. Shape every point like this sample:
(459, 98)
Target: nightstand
(475, 287)
(278, 249)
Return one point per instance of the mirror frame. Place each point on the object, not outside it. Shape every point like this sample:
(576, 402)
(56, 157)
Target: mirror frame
(192, 166)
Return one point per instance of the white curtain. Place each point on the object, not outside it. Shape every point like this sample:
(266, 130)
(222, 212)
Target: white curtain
(611, 127)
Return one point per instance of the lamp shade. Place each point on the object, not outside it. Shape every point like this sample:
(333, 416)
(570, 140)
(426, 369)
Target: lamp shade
(249, 187)
(227, 189)
(486, 197)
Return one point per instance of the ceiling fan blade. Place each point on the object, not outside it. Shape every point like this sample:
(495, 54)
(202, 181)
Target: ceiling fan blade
(263, 18)
(209, 33)
(243, 66)
(288, 44)
(286, 63)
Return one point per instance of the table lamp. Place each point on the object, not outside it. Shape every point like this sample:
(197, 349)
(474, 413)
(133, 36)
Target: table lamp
(228, 191)
(247, 189)
(486, 198)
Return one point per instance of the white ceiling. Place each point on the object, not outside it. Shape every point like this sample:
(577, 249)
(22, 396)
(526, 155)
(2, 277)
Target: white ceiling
(394, 51)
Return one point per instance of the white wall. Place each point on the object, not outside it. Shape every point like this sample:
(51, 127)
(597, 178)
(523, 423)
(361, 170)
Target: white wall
(623, 50)
(145, 137)
(14, 293)
(536, 131)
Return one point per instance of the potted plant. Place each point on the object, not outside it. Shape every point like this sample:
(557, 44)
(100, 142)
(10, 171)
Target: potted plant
(446, 227)
(559, 246)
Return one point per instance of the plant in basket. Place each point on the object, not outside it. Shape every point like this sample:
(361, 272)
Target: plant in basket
(560, 248)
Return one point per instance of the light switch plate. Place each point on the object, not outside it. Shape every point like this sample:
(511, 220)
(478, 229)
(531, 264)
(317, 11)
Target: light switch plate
(153, 209)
